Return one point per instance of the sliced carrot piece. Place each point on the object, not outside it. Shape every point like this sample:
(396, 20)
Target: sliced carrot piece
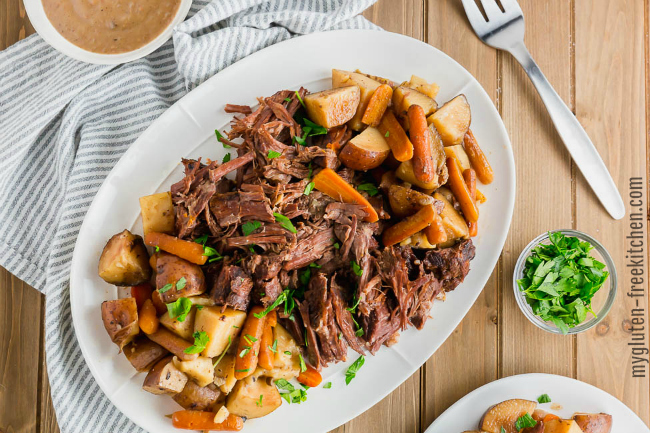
(148, 318)
(409, 226)
(333, 185)
(266, 357)
(549, 416)
(477, 158)
(469, 176)
(248, 349)
(197, 420)
(377, 105)
(141, 293)
(310, 377)
(423, 166)
(188, 250)
(396, 138)
(436, 232)
(461, 192)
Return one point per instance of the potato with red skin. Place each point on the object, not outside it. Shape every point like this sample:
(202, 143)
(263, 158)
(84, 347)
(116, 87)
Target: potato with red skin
(120, 319)
(164, 378)
(124, 260)
(170, 269)
(594, 422)
(505, 415)
(143, 353)
(366, 151)
(195, 397)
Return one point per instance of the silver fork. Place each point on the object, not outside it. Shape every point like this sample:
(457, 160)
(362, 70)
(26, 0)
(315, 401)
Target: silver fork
(505, 30)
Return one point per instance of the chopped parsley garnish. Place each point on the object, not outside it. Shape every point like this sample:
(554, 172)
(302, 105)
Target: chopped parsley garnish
(305, 276)
(387, 134)
(273, 154)
(340, 335)
(157, 249)
(356, 268)
(286, 352)
(199, 307)
(220, 138)
(226, 158)
(201, 340)
(328, 385)
(180, 284)
(245, 351)
(525, 421)
(250, 226)
(303, 366)
(315, 128)
(291, 394)
(309, 188)
(337, 245)
(544, 398)
(250, 339)
(164, 288)
(274, 348)
(201, 239)
(287, 99)
(224, 352)
(369, 188)
(279, 300)
(259, 402)
(560, 279)
(355, 303)
(299, 98)
(244, 370)
(359, 332)
(285, 222)
(179, 309)
(353, 369)
(503, 430)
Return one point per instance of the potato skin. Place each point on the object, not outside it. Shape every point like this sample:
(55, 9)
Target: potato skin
(366, 151)
(243, 399)
(164, 378)
(143, 353)
(124, 260)
(170, 269)
(594, 422)
(120, 319)
(195, 397)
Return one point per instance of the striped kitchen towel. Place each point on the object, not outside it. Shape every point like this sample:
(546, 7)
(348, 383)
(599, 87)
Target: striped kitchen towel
(64, 124)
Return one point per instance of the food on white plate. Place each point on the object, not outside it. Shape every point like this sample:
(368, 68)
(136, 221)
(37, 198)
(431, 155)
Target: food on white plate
(452, 120)
(316, 234)
(523, 416)
(124, 260)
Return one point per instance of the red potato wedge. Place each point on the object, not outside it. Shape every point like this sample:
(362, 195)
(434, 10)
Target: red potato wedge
(406, 173)
(120, 319)
(405, 202)
(164, 378)
(452, 120)
(170, 270)
(332, 107)
(124, 260)
(367, 86)
(157, 212)
(594, 422)
(143, 353)
(195, 397)
(244, 399)
(505, 414)
(404, 97)
(365, 151)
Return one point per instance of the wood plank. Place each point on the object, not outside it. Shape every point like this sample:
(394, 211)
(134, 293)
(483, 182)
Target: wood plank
(610, 103)
(20, 337)
(544, 190)
(14, 24)
(476, 336)
(399, 412)
(47, 416)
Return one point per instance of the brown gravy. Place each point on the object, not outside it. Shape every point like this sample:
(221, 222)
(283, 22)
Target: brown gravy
(110, 26)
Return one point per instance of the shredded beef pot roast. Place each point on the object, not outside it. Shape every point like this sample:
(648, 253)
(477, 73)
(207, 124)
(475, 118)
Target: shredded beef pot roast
(347, 289)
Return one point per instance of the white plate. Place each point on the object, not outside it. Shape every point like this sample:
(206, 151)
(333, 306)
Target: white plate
(572, 395)
(152, 163)
(47, 31)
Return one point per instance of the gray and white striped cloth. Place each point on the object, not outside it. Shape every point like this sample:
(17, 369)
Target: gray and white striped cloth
(63, 126)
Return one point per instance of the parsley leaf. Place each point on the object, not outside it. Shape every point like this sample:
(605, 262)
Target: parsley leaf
(299, 98)
(274, 348)
(224, 352)
(287, 99)
(201, 340)
(387, 134)
(250, 226)
(179, 309)
(544, 398)
(356, 268)
(303, 366)
(525, 421)
(180, 284)
(245, 351)
(315, 128)
(503, 430)
(328, 385)
(259, 402)
(279, 300)
(351, 373)
(369, 188)
(164, 288)
(226, 158)
(291, 394)
(201, 239)
(220, 138)
(285, 222)
(309, 188)
(273, 154)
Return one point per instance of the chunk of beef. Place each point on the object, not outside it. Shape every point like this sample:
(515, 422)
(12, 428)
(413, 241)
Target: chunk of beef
(232, 288)
(450, 265)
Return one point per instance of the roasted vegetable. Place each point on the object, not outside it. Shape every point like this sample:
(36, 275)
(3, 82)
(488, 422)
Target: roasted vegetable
(562, 426)
(333, 185)
(195, 397)
(365, 151)
(287, 363)
(454, 224)
(469, 176)
(478, 159)
(148, 318)
(187, 250)
(422, 86)
(366, 86)
(436, 233)
(183, 329)
(197, 420)
(164, 378)
(399, 143)
(157, 213)
(224, 373)
(310, 377)
(461, 191)
(424, 167)
(143, 353)
(249, 343)
(505, 415)
(222, 327)
(267, 355)
(405, 201)
(458, 153)
(173, 343)
(141, 293)
(377, 105)
(406, 173)
(177, 278)
(594, 422)
(253, 397)
(452, 120)
(120, 319)
(332, 107)
(199, 369)
(124, 260)
(409, 226)
(404, 97)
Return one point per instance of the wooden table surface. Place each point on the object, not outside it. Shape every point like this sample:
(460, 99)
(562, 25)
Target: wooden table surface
(595, 53)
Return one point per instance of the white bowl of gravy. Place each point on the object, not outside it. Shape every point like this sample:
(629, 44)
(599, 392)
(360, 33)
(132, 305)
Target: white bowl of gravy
(107, 32)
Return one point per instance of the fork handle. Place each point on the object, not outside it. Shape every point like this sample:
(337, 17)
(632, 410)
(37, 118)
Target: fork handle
(573, 135)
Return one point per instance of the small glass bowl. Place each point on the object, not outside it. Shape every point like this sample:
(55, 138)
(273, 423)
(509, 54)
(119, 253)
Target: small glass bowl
(602, 301)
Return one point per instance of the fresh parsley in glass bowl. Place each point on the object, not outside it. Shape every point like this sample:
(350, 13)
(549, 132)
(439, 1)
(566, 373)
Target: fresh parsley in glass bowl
(565, 282)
